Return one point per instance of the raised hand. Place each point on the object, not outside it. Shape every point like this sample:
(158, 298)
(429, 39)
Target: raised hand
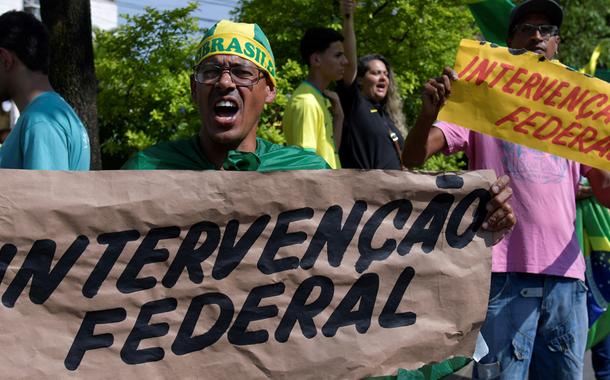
(436, 91)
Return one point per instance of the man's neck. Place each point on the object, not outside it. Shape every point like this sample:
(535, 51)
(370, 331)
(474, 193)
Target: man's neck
(216, 153)
(29, 88)
(317, 80)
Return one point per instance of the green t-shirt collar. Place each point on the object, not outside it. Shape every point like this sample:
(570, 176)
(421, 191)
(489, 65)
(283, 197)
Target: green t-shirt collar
(236, 160)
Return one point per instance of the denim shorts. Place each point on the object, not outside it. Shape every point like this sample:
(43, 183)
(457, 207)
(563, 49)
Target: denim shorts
(536, 327)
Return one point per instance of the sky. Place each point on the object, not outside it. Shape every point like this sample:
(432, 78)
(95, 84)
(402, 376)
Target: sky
(209, 11)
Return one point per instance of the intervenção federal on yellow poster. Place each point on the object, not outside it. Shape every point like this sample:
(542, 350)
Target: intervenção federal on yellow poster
(523, 98)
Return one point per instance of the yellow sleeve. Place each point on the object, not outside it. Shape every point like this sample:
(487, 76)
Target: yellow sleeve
(302, 121)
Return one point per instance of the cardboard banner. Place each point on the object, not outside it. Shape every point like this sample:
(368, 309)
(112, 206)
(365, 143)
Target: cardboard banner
(229, 275)
(523, 98)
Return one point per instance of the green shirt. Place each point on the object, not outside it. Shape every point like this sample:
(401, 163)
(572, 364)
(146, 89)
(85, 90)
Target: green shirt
(187, 155)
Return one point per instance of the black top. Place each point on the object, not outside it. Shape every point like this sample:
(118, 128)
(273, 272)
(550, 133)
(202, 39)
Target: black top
(366, 142)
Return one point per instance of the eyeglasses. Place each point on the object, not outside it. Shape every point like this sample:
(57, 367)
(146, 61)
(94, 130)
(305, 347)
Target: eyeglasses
(545, 31)
(240, 75)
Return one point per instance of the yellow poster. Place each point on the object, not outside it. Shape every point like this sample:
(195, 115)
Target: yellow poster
(523, 98)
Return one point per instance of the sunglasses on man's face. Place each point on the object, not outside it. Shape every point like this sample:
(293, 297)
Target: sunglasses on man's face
(544, 30)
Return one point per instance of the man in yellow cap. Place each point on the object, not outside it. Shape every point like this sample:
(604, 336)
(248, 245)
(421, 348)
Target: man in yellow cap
(233, 79)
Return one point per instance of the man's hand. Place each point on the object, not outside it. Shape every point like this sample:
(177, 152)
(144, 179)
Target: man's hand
(435, 93)
(500, 217)
(424, 140)
(347, 8)
(583, 192)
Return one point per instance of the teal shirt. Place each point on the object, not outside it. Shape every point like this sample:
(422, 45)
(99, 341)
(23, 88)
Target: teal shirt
(47, 136)
(187, 155)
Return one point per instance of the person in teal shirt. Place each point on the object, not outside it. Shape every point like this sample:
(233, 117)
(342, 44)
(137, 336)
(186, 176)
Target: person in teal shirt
(48, 134)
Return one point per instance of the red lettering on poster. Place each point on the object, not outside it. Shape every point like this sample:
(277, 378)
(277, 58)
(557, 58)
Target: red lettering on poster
(558, 125)
(533, 81)
(512, 116)
(557, 140)
(528, 122)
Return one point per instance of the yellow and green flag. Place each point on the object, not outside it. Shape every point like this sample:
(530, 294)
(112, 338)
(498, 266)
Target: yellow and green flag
(593, 229)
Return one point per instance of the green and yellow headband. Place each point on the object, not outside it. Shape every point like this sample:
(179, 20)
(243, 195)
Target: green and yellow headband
(243, 40)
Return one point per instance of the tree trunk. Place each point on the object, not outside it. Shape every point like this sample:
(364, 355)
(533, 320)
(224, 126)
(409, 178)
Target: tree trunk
(72, 72)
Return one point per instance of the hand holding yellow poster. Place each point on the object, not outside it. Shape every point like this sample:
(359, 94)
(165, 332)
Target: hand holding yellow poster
(523, 98)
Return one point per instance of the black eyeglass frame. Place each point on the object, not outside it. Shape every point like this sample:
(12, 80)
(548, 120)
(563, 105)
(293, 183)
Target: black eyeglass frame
(237, 80)
(552, 31)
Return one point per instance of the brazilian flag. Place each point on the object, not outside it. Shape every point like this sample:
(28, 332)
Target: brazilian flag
(593, 229)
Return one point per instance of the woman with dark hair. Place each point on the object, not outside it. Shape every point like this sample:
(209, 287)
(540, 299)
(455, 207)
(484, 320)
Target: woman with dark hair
(374, 126)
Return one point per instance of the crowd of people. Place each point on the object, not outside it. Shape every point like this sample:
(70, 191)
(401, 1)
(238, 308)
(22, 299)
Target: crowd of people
(536, 323)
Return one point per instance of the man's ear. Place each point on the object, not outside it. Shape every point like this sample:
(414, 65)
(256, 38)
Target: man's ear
(271, 93)
(314, 59)
(7, 60)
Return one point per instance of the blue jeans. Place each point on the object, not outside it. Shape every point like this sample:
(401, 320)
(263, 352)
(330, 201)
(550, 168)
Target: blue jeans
(536, 325)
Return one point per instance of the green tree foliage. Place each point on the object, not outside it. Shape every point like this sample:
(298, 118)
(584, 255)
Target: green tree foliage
(442, 163)
(419, 37)
(143, 66)
(586, 24)
(143, 69)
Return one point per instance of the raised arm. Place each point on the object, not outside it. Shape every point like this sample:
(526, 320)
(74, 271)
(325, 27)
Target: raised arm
(424, 139)
(349, 41)
(600, 183)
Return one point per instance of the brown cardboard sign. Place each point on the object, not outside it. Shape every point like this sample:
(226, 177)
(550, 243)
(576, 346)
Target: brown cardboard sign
(302, 274)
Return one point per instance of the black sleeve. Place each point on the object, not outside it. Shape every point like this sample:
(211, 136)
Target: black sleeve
(347, 95)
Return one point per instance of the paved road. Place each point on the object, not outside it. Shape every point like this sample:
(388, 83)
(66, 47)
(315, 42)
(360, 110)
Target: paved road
(588, 375)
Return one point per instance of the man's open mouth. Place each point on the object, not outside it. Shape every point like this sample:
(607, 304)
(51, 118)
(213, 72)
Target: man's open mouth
(226, 108)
